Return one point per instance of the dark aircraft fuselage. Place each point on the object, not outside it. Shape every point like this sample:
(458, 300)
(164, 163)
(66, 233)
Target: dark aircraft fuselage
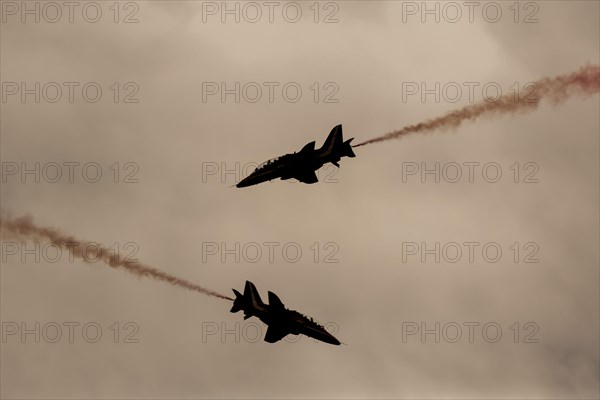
(280, 320)
(303, 164)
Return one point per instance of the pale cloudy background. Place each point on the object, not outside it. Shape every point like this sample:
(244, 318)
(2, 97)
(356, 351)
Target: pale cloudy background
(174, 211)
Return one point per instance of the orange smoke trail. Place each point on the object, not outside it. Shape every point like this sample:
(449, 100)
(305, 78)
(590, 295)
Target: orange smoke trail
(585, 82)
(24, 226)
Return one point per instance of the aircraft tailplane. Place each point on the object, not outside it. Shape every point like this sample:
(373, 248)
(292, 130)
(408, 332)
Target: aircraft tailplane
(346, 150)
(238, 303)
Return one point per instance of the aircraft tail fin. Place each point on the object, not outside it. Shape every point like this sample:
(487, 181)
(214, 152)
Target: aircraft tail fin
(334, 144)
(249, 302)
(334, 139)
(252, 296)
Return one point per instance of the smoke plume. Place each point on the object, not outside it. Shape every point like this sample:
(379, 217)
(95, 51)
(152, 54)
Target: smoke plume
(586, 81)
(24, 226)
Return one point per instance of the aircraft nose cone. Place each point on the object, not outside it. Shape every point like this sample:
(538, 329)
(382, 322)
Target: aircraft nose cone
(327, 337)
(333, 340)
(243, 183)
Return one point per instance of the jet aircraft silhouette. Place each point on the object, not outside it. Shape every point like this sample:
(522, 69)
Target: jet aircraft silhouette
(280, 320)
(302, 165)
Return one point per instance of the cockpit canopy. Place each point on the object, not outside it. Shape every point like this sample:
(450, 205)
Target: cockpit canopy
(268, 162)
(272, 161)
(308, 320)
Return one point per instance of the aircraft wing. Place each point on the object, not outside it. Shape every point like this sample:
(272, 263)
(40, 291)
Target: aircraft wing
(275, 334)
(307, 177)
(275, 302)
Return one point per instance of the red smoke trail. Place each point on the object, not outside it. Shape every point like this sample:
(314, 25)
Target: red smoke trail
(24, 226)
(584, 82)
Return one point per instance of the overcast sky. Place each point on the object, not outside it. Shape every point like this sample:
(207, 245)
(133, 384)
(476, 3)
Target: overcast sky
(356, 251)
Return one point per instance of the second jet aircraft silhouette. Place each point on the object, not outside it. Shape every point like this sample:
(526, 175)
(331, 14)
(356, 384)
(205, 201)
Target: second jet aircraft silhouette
(302, 165)
(280, 320)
